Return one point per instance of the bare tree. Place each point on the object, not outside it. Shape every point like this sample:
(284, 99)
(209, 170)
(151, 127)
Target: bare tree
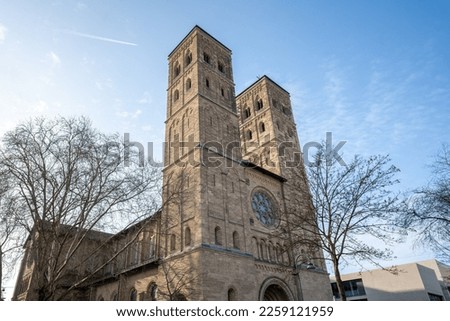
(181, 276)
(428, 210)
(11, 238)
(72, 181)
(350, 203)
(181, 279)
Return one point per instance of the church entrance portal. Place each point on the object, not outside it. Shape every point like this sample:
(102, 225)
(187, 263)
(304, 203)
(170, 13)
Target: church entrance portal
(275, 292)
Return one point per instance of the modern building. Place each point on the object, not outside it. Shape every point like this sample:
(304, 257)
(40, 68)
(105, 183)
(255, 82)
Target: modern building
(234, 179)
(422, 281)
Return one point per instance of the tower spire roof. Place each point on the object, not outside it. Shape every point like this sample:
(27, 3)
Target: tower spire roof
(197, 27)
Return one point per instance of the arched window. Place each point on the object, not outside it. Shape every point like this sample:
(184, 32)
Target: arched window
(218, 236)
(173, 240)
(231, 295)
(176, 95)
(151, 247)
(259, 103)
(100, 298)
(263, 250)
(115, 297)
(286, 110)
(290, 132)
(255, 247)
(267, 156)
(274, 103)
(236, 240)
(270, 254)
(134, 254)
(133, 294)
(247, 112)
(206, 58)
(222, 92)
(176, 69)
(188, 58)
(152, 291)
(262, 127)
(187, 236)
(279, 253)
(188, 84)
(249, 134)
(220, 67)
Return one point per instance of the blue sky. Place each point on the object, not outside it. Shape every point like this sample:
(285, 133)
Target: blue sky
(374, 73)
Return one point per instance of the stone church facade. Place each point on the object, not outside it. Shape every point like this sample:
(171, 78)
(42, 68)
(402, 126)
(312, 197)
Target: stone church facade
(233, 179)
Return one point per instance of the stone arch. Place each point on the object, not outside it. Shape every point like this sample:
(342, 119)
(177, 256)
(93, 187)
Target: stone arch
(275, 289)
(263, 250)
(218, 236)
(152, 291)
(236, 243)
(187, 236)
(188, 58)
(231, 294)
(133, 294)
(255, 248)
(176, 69)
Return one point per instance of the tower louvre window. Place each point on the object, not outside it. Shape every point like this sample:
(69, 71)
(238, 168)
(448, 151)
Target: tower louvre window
(176, 95)
(259, 104)
(247, 112)
(176, 69)
(220, 67)
(222, 92)
(188, 84)
(188, 58)
(249, 134)
(206, 58)
(262, 127)
(274, 103)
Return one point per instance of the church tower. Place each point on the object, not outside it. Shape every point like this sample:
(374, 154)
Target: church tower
(226, 183)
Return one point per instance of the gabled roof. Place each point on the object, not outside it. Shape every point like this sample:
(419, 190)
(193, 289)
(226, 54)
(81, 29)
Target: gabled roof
(196, 27)
(260, 80)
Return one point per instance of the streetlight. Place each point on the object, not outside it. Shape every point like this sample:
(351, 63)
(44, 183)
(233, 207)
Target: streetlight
(303, 265)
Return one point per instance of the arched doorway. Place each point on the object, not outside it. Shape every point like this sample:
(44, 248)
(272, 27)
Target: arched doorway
(275, 292)
(274, 289)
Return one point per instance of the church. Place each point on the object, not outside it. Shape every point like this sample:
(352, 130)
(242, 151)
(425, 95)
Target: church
(234, 178)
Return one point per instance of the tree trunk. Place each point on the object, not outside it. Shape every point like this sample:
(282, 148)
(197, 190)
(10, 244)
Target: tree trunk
(339, 283)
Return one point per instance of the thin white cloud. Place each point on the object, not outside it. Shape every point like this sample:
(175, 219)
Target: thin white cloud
(54, 58)
(85, 35)
(40, 107)
(3, 31)
(104, 84)
(146, 99)
(128, 114)
(147, 128)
